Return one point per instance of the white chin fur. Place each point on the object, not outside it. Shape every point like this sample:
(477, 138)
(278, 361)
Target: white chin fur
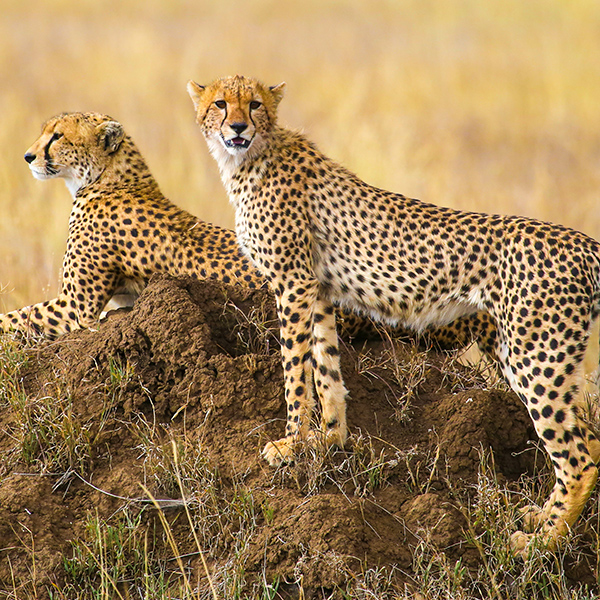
(42, 175)
(73, 185)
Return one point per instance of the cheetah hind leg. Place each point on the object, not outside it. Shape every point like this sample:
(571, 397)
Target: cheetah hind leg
(533, 516)
(573, 450)
(575, 481)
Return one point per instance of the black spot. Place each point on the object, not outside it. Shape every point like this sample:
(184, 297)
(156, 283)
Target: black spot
(547, 411)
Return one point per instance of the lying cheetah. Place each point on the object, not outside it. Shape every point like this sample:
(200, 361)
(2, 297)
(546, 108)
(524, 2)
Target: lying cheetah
(122, 230)
(320, 235)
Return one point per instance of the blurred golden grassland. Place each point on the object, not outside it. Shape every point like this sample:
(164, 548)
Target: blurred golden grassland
(491, 106)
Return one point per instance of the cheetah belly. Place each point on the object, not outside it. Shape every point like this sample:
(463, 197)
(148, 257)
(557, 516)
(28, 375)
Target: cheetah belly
(366, 291)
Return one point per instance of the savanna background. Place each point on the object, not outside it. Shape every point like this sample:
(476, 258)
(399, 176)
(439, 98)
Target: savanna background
(485, 106)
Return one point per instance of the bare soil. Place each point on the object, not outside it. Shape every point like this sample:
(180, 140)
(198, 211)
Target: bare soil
(201, 367)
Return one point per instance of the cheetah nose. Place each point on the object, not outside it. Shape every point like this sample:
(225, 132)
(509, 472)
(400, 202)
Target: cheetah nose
(29, 157)
(238, 127)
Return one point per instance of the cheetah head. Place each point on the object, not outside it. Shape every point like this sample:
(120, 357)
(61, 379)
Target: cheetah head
(236, 116)
(76, 147)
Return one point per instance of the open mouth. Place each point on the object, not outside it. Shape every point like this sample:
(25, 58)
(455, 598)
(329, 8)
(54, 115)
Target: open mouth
(237, 142)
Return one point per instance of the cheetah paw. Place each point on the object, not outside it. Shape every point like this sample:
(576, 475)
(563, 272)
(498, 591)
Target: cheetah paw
(532, 517)
(519, 543)
(336, 438)
(324, 440)
(282, 451)
(279, 452)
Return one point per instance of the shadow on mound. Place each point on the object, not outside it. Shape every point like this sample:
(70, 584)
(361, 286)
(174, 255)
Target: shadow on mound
(199, 363)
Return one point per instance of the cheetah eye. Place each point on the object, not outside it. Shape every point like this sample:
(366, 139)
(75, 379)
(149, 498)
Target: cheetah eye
(221, 104)
(55, 136)
(255, 104)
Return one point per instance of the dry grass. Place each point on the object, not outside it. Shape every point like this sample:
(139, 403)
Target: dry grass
(138, 551)
(479, 105)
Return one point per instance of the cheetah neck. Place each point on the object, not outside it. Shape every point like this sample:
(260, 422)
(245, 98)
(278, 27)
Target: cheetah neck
(228, 163)
(125, 169)
(73, 185)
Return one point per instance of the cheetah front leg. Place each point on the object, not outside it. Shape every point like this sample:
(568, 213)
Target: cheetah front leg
(77, 306)
(50, 319)
(328, 378)
(296, 309)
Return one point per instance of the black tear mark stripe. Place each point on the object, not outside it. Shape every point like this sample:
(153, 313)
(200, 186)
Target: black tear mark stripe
(55, 136)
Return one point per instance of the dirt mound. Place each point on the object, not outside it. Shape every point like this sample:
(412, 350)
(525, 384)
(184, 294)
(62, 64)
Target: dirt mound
(199, 363)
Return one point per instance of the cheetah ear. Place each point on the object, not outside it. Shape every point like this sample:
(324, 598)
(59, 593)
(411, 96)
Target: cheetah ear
(277, 91)
(110, 135)
(195, 91)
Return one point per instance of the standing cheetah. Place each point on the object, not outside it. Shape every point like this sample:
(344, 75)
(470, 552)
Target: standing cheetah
(320, 235)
